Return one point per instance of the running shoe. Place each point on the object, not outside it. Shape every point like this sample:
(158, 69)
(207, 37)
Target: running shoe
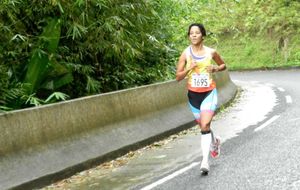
(204, 168)
(215, 148)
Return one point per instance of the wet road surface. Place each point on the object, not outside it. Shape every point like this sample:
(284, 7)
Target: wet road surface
(260, 146)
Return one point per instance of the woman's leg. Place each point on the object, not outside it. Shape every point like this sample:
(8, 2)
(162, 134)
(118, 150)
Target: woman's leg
(206, 139)
(203, 106)
(207, 109)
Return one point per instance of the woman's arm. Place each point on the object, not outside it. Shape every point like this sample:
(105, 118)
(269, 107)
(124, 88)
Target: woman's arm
(219, 61)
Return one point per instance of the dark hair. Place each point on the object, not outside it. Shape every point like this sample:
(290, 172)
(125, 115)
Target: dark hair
(200, 26)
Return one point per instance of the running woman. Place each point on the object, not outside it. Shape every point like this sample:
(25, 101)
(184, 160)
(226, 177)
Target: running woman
(195, 63)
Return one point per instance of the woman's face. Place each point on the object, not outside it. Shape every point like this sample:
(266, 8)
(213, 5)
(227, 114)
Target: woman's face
(195, 35)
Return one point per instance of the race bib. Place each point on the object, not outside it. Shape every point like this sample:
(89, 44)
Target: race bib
(200, 80)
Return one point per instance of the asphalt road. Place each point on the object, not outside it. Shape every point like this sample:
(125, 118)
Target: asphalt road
(260, 146)
(264, 159)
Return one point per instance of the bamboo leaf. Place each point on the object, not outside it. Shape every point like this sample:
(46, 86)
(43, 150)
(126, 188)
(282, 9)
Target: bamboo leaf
(36, 70)
(51, 34)
(56, 96)
(19, 37)
(58, 82)
(32, 100)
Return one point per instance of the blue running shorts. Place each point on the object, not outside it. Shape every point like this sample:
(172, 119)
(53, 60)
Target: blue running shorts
(203, 102)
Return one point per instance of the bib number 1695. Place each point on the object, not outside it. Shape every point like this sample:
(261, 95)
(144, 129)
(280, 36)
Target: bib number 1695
(200, 80)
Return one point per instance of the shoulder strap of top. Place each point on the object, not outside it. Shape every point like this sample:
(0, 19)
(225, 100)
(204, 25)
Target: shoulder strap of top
(187, 51)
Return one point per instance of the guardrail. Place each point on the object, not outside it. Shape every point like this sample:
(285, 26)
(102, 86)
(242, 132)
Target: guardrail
(43, 144)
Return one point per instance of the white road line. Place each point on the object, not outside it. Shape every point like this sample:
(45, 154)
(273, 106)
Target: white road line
(295, 119)
(267, 123)
(269, 84)
(280, 89)
(171, 176)
(288, 99)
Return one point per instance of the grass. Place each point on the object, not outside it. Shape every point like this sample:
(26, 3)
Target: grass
(259, 52)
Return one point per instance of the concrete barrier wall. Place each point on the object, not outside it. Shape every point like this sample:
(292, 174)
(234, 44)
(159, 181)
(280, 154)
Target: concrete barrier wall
(63, 137)
(40, 125)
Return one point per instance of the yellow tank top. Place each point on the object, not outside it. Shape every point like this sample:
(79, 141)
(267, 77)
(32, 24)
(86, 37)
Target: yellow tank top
(199, 80)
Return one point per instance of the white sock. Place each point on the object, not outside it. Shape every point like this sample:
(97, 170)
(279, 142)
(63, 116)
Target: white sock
(205, 145)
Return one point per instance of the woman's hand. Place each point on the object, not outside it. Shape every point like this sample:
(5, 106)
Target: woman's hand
(193, 65)
(212, 68)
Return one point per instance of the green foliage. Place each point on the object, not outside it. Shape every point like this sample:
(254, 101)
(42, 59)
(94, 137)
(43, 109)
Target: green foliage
(248, 33)
(77, 48)
(36, 71)
(56, 96)
(42, 71)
